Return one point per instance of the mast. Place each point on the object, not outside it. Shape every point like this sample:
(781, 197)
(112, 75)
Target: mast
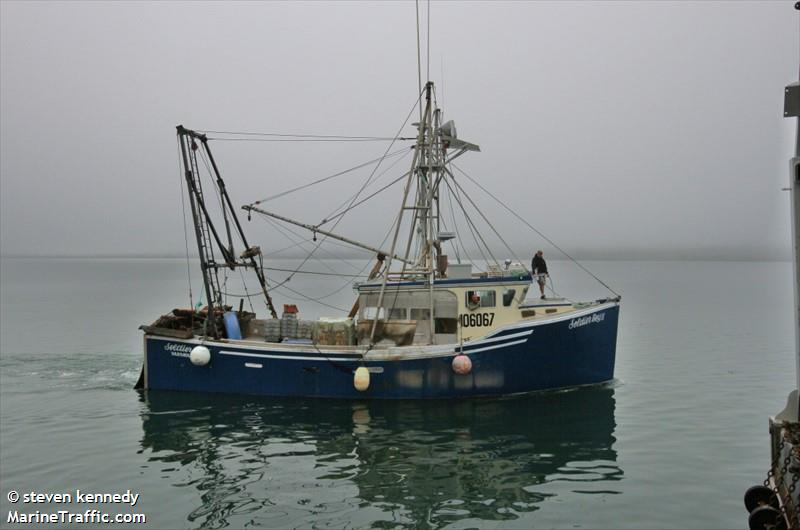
(250, 252)
(201, 235)
(414, 170)
(206, 233)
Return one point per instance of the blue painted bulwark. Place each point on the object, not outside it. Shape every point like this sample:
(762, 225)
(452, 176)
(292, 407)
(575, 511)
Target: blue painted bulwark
(570, 350)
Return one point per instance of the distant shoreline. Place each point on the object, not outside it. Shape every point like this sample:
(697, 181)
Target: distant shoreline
(678, 255)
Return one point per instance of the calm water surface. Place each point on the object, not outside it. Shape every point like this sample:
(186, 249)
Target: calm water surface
(705, 355)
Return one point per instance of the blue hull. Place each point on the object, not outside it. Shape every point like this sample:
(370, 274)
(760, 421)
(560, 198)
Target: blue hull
(573, 350)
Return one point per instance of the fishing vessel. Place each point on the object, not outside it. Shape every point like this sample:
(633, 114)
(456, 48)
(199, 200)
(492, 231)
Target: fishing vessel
(423, 325)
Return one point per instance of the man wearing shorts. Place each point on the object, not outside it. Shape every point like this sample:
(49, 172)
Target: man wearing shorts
(539, 268)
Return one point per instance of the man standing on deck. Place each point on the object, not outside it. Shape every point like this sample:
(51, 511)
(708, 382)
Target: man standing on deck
(539, 268)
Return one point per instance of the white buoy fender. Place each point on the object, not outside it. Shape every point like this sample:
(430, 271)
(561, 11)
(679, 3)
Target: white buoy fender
(361, 378)
(200, 356)
(462, 365)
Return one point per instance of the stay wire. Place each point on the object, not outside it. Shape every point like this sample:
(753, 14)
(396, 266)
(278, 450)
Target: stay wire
(329, 177)
(218, 139)
(304, 297)
(336, 211)
(455, 227)
(360, 272)
(522, 219)
(314, 273)
(238, 235)
(210, 256)
(383, 157)
(274, 253)
(285, 135)
(302, 240)
(428, 42)
(213, 179)
(472, 228)
(298, 271)
(283, 230)
(366, 183)
(486, 220)
(311, 299)
(419, 62)
(365, 199)
(339, 209)
(336, 291)
(246, 292)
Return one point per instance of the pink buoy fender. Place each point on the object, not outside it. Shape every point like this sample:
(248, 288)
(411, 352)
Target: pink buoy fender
(462, 365)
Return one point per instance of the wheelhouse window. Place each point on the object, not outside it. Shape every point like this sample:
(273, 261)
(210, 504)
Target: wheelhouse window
(445, 325)
(420, 314)
(369, 313)
(480, 298)
(508, 296)
(415, 305)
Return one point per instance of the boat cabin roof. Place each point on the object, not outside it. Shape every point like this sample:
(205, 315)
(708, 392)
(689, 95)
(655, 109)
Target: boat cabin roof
(375, 285)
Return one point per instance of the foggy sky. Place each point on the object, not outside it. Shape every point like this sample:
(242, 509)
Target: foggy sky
(617, 129)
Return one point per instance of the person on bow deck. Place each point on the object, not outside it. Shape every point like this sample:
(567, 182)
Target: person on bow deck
(539, 269)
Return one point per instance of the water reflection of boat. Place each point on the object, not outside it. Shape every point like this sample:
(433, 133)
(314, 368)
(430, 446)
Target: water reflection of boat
(294, 463)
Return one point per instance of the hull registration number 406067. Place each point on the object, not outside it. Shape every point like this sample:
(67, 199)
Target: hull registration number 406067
(475, 320)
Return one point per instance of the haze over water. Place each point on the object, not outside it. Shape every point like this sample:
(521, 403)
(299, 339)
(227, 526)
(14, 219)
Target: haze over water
(705, 354)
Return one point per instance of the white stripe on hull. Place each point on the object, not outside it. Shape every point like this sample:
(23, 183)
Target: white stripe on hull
(373, 357)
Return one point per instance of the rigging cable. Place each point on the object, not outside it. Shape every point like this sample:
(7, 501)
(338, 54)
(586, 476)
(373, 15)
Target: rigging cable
(283, 231)
(246, 292)
(223, 209)
(419, 63)
(206, 227)
(310, 299)
(218, 139)
(336, 211)
(365, 199)
(358, 275)
(297, 271)
(329, 177)
(385, 154)
(484, 217)
(316, 273)
(455, 227)
(515, 214)
(299, 136)
(211, 177)
(274, 253)
(185, 234)
(428, 42)
(363, 186)
(473, 230)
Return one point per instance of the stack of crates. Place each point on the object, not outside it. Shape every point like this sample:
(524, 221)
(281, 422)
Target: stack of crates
(273, 330)
(335, 332)
(289, 324)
